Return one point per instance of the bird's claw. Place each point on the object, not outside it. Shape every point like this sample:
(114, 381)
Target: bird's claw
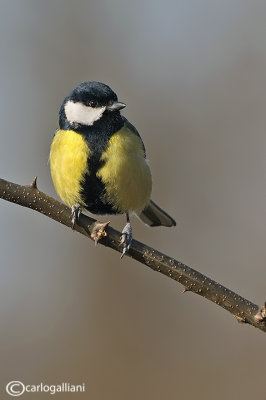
(98, 231)
(126, 238)
(75, 213)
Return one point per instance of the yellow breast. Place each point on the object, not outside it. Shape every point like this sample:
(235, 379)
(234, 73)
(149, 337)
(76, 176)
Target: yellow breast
(126, 173)
(68, 163)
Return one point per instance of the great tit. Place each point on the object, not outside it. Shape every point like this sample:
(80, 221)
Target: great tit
(98, 160)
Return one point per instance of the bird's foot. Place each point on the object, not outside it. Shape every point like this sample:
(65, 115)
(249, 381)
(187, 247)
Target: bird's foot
(126, 238)
(75, 213)
(98, 230)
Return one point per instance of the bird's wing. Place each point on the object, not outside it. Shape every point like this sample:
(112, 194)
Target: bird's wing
(134, 130)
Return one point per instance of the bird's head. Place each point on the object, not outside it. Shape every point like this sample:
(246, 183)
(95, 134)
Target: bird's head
(87, 103)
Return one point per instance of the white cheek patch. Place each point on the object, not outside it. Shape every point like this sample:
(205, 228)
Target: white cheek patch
(81, 114)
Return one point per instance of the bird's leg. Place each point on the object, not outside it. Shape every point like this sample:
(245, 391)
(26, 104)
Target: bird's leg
(126, 238)
(75, 213)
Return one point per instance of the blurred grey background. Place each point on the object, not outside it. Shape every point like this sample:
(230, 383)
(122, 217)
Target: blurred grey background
(193, 76)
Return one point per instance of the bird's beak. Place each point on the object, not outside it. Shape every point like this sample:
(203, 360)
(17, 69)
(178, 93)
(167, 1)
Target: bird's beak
(117, 105)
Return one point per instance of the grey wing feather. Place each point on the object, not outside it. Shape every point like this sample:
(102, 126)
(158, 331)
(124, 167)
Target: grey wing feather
(152, 214)
(134, 130)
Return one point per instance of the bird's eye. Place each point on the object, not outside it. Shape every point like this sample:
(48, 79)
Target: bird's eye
(92, 103)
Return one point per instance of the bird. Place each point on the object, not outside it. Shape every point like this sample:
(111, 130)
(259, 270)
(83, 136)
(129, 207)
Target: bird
(98, 161)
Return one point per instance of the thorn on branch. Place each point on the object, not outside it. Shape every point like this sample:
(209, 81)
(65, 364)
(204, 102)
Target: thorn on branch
(33, 184)
(240, 319)
(261, 314)
(98, 230)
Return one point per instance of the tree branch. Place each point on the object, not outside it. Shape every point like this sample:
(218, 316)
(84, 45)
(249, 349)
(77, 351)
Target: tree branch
(245, 311)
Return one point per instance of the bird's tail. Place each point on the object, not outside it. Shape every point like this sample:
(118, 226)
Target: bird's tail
(153, 215)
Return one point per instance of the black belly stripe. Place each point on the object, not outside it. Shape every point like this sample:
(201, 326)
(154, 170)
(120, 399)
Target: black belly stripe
(93, 190)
